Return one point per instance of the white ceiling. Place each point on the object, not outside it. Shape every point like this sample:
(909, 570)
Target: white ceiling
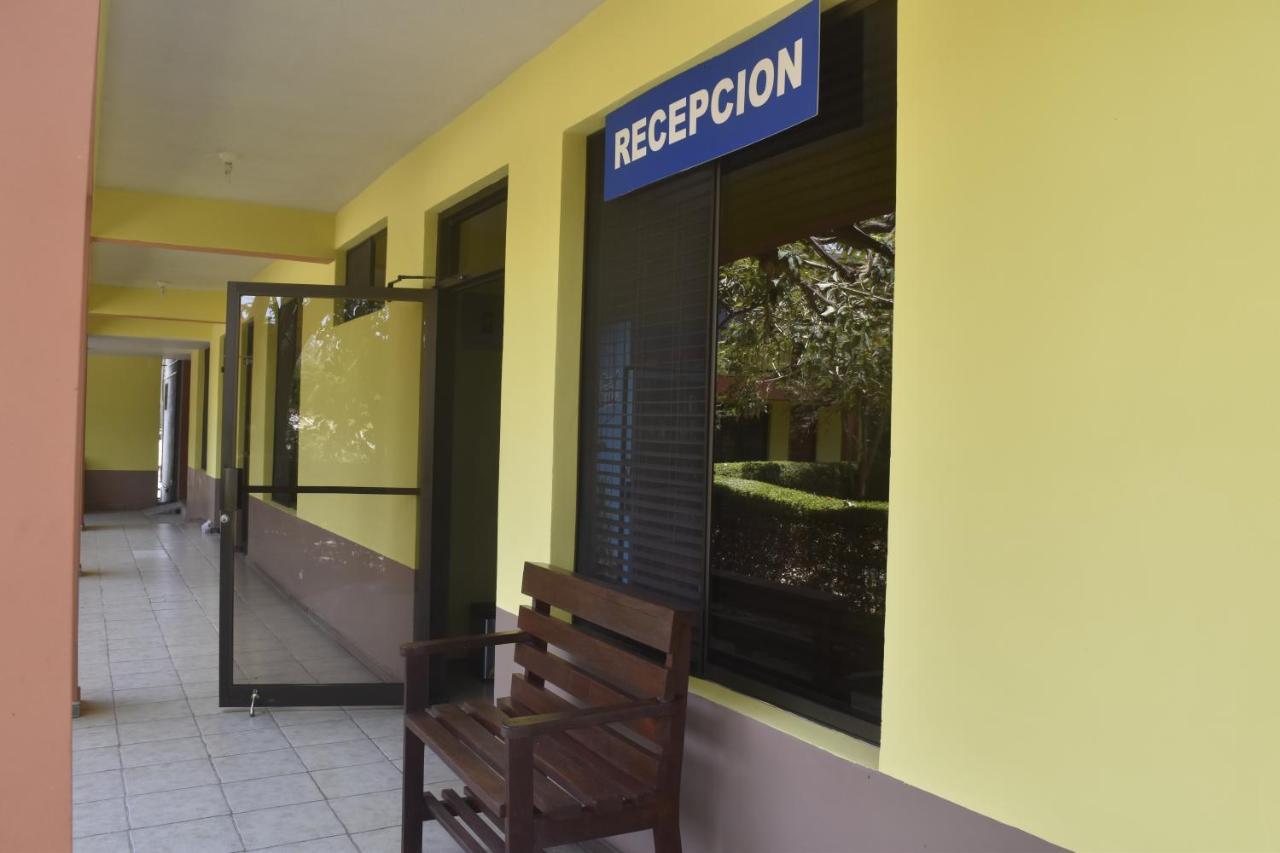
(130, 265)
(317, 97)
(110, 345)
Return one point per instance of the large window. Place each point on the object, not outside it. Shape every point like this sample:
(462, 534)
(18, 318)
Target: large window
(736, 376)
(366, 269)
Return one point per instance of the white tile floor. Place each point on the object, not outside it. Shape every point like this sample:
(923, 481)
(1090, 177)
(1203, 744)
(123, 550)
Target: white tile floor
(159, 767)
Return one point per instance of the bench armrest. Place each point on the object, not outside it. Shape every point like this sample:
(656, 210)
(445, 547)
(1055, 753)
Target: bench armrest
(541, 724)
(448, 645)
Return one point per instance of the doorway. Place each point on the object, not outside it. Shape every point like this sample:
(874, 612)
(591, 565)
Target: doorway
(171, 476)
(472, 246)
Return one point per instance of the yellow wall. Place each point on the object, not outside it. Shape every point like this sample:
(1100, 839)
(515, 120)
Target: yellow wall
(1082, 630)
(122, 413)
(829, 438)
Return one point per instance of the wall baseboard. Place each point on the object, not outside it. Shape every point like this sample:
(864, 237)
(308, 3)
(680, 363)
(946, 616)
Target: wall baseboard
(116, 491)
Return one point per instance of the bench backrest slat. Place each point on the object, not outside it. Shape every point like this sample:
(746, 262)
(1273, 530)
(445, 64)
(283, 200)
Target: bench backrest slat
(578, 683)
(598, 662)
(637, 676)
(643, 621)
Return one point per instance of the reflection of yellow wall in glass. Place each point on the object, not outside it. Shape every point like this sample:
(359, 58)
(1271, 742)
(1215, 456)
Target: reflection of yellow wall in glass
(779, 431)
(122, 413)
(359, 423)
(829, 442)
(216, 341)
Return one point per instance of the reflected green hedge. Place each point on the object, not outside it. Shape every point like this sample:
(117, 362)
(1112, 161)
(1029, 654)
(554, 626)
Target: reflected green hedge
(753, 497)
(800, 539)
(830, 479)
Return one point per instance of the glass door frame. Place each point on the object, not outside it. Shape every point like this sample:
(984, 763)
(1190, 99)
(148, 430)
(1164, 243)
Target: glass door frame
(235, 491)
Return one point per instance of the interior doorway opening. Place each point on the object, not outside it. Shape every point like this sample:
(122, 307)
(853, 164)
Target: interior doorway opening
(171, 465)
(472, 243)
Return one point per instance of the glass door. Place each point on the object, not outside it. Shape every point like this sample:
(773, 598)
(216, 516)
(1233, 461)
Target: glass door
(324, 510)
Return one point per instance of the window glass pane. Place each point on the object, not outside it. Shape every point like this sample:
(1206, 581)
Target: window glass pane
(482, 241)
(360, 265)
(642, 487)
(805, 294)
(366, 268)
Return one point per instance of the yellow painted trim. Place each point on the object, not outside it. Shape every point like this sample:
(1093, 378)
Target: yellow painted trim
(181, 222)
(209, 250)
(827, 739)
(150, 327)
(201, 306)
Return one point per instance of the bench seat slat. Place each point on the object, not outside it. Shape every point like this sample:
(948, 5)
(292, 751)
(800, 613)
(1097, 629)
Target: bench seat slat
(589, 777)
(625, 754)
(547, 796)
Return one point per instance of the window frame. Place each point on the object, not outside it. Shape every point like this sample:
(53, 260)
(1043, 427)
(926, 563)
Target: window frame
(341, 312)
(449, 234)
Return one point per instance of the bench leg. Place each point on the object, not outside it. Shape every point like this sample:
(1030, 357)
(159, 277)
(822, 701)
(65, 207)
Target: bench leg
(413, 809)
(666, 834)
(519, 823)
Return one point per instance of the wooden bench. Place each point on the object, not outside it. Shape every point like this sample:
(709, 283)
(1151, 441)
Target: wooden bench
(588, 744)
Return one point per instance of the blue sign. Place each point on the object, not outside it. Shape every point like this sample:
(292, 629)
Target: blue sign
(759, 88)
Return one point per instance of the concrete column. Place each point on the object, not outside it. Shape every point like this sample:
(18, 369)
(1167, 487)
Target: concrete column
(48, 63)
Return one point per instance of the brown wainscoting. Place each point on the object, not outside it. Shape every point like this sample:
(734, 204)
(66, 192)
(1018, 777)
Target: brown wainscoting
(202, 495)
(749, 788)
(363, 597)
(112, 491)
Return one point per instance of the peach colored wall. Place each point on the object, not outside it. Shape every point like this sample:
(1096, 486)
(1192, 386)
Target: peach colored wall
(48, 58)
